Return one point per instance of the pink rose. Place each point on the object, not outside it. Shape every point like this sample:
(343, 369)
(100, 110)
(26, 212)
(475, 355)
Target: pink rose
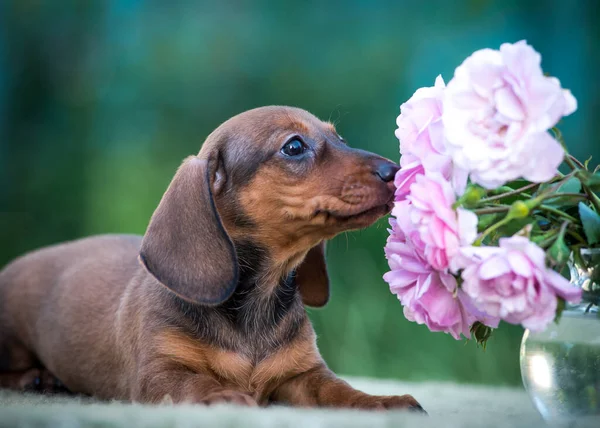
(512, 282)
(420, 129)
(410, 168)
(421, 134)
(428, 296)
(441, 229)
(497, 111)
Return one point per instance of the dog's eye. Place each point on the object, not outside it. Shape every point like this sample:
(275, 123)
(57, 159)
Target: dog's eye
(294, 147)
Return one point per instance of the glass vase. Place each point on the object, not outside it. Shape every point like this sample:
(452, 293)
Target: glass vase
(560, 367)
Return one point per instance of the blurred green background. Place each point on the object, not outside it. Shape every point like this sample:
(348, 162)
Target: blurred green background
(101, 100)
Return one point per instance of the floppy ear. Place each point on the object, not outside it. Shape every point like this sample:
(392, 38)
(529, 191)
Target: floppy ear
(312, 278)
(186, 247)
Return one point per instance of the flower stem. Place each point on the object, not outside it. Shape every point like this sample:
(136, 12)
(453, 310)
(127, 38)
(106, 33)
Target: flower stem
(511, 193)
(568, 157)
(576, 161)
(558, 213)
(569, 195)
(547, 239)
(593, 198)
(491, 210)
(549, 192)
(563, 228)
(490, 229)
(560, 234)
(577, 236)
(571, 164)
(570, 160)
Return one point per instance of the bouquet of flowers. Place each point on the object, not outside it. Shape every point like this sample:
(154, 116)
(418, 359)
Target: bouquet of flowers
(484, 222)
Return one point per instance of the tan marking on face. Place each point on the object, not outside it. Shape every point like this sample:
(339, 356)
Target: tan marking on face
(331, 127)
(295, 214)
(299, 125)
(294, 206)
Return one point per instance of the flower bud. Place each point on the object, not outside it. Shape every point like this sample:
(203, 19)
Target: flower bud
(472, 195)
(470, 198)
(518, 209)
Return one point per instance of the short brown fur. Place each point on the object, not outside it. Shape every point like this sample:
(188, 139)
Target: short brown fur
(207, 306)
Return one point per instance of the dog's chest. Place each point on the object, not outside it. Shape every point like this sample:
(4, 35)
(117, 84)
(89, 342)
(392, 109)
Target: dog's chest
(254, 370)
(260, 378)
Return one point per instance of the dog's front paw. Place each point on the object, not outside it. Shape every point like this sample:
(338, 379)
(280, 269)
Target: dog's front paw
(229, 396)
(40, 380)
(382, 402)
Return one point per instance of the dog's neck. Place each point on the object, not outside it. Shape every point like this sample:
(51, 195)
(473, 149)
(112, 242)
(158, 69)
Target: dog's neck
(261, 283)
(264, 312)
(259, 270)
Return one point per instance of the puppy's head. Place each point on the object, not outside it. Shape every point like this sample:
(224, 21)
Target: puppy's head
(277, 177)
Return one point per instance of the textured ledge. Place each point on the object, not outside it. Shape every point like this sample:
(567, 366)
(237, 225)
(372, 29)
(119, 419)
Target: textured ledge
(449, 405)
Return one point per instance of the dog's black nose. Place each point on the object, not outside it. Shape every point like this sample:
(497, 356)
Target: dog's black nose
(387, 171)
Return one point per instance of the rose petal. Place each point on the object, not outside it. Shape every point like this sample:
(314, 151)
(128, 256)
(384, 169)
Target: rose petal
(497, 110)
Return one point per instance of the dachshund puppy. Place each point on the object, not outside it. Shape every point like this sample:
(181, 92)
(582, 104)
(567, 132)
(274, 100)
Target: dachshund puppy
(207, 306)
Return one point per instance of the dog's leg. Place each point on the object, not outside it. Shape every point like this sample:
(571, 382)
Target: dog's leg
(320, 387)
(34, 380)
(20, 370)
(20, 381)
(188, 387)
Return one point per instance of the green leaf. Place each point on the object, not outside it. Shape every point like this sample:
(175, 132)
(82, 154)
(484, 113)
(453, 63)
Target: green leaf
(591, 223)
(559, 253)
(572, 185)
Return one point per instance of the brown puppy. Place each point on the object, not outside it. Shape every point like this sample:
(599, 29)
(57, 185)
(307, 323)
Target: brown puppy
(214, 312)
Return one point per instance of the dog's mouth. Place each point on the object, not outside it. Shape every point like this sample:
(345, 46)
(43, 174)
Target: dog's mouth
(360, 218)
(378, 210)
